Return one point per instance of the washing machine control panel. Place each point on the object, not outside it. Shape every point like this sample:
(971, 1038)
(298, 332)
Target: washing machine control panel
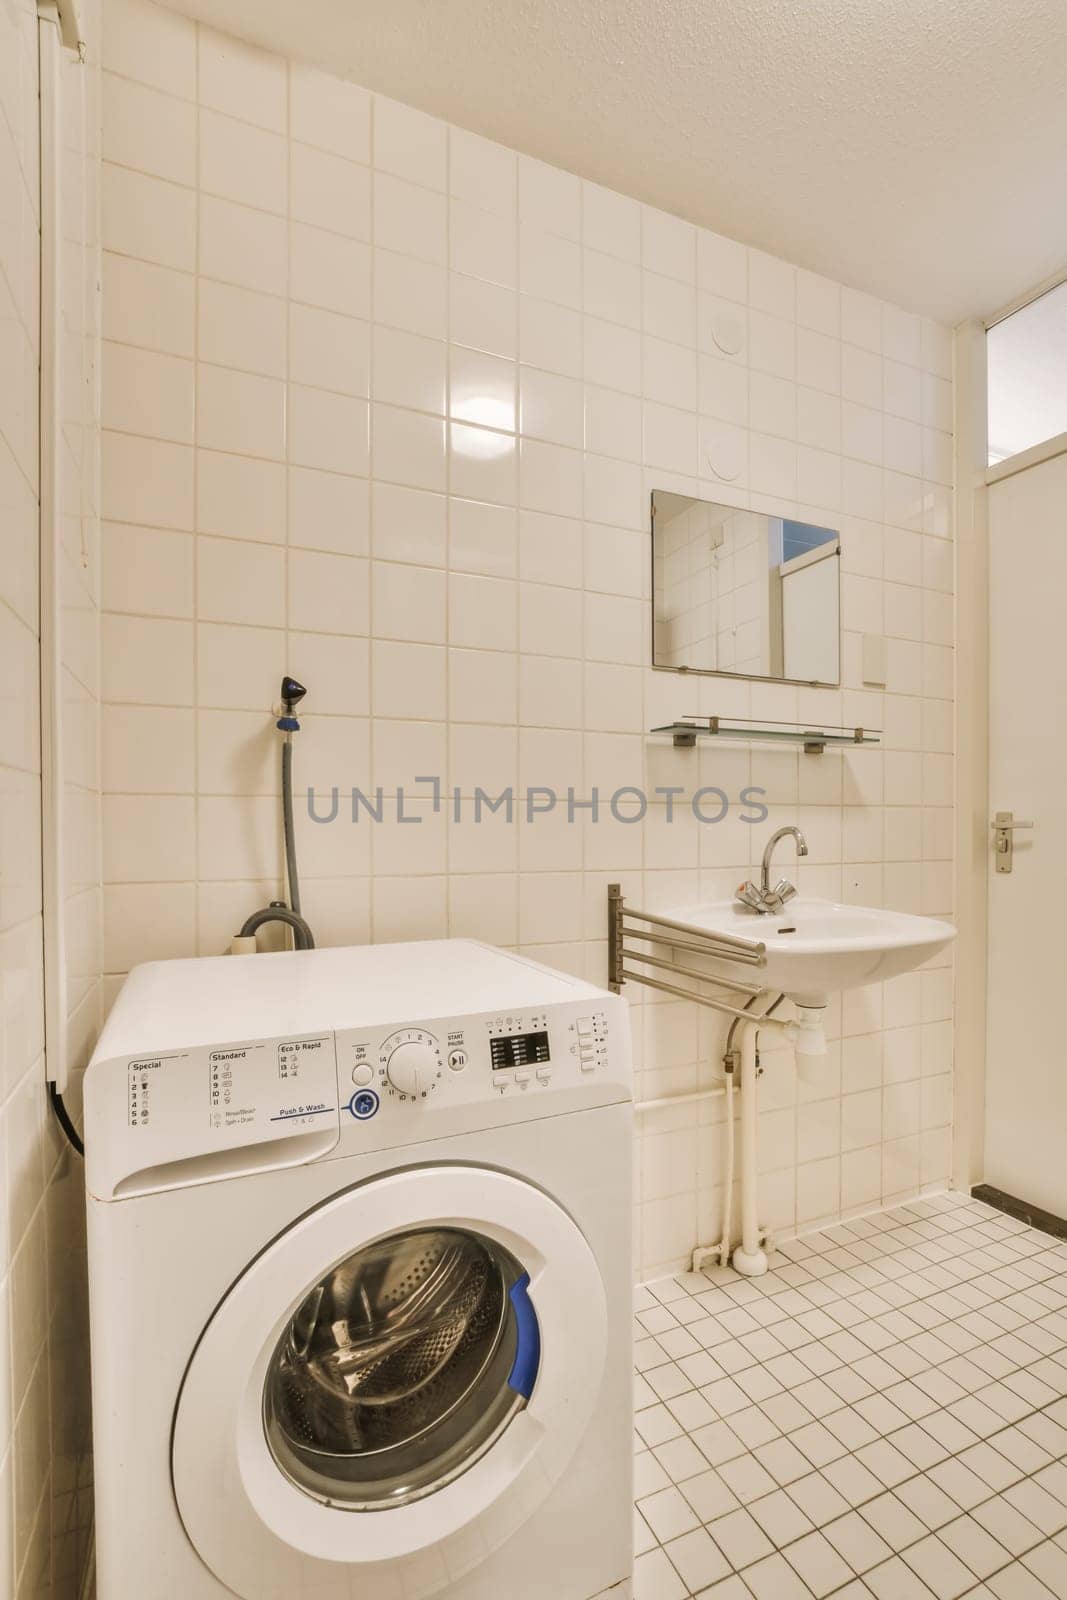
(202, 1114)
(411, 1062)
(194, 1115)
(517, 1061)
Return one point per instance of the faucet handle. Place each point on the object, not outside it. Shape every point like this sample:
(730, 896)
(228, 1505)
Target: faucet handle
(749, 896)
(784, 891)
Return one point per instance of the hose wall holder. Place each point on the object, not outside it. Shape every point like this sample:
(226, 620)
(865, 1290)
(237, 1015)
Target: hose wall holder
(292, 692)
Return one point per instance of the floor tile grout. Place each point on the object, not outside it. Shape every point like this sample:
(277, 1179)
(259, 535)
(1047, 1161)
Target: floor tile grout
(932, 1313)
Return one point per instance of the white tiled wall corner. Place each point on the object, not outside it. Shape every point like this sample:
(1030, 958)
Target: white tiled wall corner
(45, 1478)
(433, 383)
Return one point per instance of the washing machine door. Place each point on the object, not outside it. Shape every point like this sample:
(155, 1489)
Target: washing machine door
(391, 1389)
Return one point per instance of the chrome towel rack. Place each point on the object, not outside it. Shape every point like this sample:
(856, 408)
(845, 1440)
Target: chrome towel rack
(629, 927)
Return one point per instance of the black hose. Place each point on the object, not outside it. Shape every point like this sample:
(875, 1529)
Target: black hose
(302, 935)
(62, 1116)
(287, 824)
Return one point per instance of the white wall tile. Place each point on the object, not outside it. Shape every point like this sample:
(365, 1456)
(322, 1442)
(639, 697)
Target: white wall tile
(409, 370)
(410, 525)
(722, 266)
(147, 481)
(240, 582)
(861, 319)
(408, 448)
(340, 668)
(483, 315)
(327, 351)
(484, 173)
(482, 686)
(818, 304)
(240, 498)
(147, 661)
(152, 132)
(772, 284)
(549, 199)
(410, 143)
(328, 511)
(410, 219)
(148, 749)
(410, 294)
(482, 244)
(550, 267)
(149, 838)
(149, 306)
(240, 412)
(240, 162)
(143, 216)
(329, 192)
(550, 336)
(144, 392)
(239, 328)
(329, 271)
(611, 222)
(242, 246)
(328, 112)
(550, 478)
(147, 571)
(328, 593)
(235, 666)
(409, 680)
(241, 80)
(151, 46)
(551, 408)
(134, 931)
(328, 431)
(481, 612)
(407, 602)
(612, 288)
(482, 538)
(668, 245)
(481, 389)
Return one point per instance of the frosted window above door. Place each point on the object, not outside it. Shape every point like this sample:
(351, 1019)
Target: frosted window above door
(1026, 355)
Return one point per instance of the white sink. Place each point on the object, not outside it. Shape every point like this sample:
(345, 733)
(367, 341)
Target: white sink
(816, 946)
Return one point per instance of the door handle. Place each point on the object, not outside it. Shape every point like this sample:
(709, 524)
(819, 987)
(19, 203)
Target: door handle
(1004, 825)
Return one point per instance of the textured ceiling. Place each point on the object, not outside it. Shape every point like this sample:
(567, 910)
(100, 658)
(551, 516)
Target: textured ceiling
(914, 148)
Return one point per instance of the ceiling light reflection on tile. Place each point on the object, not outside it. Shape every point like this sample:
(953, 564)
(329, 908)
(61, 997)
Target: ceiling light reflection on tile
(479, 442)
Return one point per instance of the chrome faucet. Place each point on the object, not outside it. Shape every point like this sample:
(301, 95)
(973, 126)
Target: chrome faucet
(764, 900)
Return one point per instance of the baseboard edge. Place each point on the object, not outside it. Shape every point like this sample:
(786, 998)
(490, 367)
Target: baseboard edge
(1021, 1210)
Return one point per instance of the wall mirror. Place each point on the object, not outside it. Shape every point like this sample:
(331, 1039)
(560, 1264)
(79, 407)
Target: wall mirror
(739, 592)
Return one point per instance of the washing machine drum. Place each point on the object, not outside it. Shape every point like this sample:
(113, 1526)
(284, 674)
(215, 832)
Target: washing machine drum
(392, 1376)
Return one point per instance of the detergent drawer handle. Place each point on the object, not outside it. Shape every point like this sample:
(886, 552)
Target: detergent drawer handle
(523, 1373)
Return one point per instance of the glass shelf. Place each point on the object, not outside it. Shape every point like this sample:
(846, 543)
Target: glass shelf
(688, 730)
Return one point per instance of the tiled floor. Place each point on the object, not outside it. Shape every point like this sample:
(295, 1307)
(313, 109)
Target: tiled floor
(883, 1415)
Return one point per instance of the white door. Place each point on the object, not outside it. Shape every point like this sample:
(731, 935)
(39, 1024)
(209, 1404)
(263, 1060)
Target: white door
(1026, 1072)
(391, 1388)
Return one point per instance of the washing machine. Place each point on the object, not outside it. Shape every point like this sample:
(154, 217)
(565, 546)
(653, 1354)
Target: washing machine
(359, 1265)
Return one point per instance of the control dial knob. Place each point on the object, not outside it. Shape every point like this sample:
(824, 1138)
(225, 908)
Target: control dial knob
(413, 1065)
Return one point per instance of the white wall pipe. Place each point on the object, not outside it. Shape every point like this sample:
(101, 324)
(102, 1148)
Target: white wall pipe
(668, 1100)
(51, 571)
(726, 1242)
(749, 1258)
(720, 1251)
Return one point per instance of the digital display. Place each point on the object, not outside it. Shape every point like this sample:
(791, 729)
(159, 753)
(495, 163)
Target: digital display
(518, 1050)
